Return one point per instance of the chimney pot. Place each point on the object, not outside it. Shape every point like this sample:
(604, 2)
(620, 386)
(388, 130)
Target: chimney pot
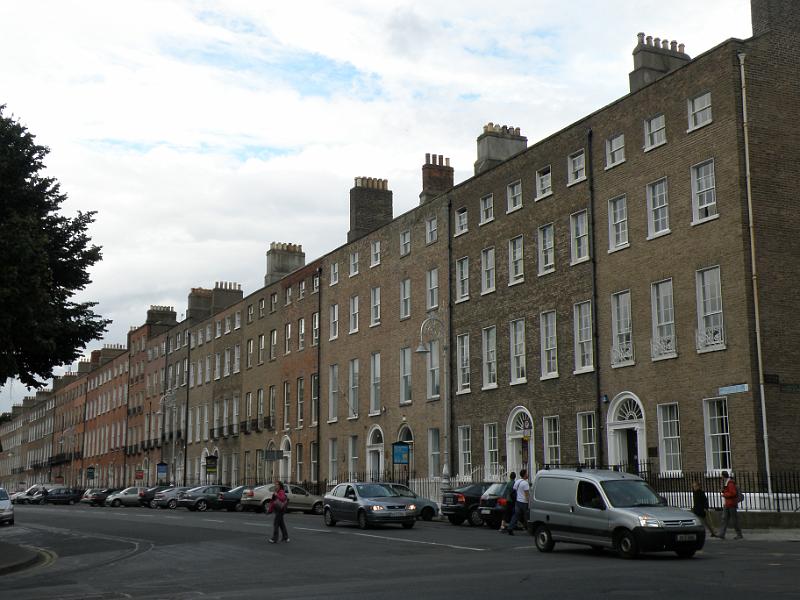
(657, 42)
(427, 158)
(673, 45)
(640, 35)
(649, 40)
(665, 44)
(447, 162)
(681, 48)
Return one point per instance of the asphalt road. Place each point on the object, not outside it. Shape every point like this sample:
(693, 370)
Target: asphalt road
(105, 554)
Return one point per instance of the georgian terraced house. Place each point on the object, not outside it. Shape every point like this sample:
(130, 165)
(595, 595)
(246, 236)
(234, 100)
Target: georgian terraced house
(620, 292)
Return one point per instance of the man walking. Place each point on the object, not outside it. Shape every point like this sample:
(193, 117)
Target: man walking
(730, 514)
(522, 489)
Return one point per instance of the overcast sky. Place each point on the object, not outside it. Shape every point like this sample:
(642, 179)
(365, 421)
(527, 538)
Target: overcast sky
(202, 131)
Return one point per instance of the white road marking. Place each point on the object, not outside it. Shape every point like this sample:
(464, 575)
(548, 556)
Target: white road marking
(214, 520)
(394, 539)
(173, 517)
(258, 524)
(317, 530)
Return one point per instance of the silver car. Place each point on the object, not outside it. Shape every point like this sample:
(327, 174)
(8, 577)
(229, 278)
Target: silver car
(299, 498)
(608, 509)
(426, 509)
(6, 508)
(127, 497)
(368, 504)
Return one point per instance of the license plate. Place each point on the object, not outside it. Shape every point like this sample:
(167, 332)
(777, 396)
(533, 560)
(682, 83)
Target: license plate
(686, 537)
(447, 501)
(486, 511)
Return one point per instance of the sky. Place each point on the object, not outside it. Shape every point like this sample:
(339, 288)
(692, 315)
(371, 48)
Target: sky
(202, 131)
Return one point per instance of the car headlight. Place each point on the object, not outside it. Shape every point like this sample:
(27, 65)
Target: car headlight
(648, 521)
(412, 507)
(378, 507)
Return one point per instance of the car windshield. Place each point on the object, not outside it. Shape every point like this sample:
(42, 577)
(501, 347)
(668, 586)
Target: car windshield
(3, 495)
(373, 490)
(629, 493)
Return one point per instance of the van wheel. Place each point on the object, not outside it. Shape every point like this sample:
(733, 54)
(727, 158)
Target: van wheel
(626, 545)
(475, 519)
(316, 509)
(544, 539)
(455, 519)
(685, 552)
(115, 503)
(329, 520)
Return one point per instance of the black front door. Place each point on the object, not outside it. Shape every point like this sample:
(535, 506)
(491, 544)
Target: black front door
(632, 457)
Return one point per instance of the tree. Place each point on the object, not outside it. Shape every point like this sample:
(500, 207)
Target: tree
(44, 261)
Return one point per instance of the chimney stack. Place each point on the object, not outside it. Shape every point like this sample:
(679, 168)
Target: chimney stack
(437, 177)
(497, 144)
(653, 58)
(282, 259)
(370, 206)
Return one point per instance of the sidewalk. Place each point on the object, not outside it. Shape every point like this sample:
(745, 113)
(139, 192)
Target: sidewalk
(15, 558)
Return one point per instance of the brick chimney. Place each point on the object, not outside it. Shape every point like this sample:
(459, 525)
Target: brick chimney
(653, 58)
(283, 259)
(370, 206)
(437, 177)
(497, 144)
(161, 315)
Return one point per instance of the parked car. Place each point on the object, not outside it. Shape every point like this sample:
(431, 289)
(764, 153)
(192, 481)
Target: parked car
(87, 495)
(147, 497)
(98, 496)
(494, 503)
(299, 498)
(169, 498)
(202, 498)
(64, 495)
(463, 504)
(26, 496)
(127, 497)
(609, 509)
(426, 509)
(368, 504)
(231, 500)
(6, 508)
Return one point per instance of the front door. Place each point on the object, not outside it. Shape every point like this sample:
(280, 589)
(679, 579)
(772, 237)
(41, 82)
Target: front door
(631, 455)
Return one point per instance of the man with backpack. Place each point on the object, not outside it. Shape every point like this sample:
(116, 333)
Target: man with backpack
(522, 490)
(730, 515)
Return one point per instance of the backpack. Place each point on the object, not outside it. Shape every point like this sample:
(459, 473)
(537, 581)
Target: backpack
(739, 496)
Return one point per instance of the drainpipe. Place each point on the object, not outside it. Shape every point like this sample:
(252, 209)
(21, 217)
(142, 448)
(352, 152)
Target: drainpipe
(595, 330)
(753, 267)
(319, 367)
(186, 408)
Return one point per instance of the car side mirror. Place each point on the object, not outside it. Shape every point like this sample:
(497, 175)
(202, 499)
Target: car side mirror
(597, 502)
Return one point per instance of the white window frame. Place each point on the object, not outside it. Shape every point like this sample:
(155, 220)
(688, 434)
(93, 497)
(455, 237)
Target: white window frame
(406, 396)
(354, 263)
(622, 347)
(544, 183)
(462, 364)
(352, 388)
(434, 452)
(487, 271)
(615, 150)
(491, 448)
(405, 242)
(514, 196)
(548, 338)
(462, 279)
(353, 314)
(333, 393)
(669, 439)
(583, 336)
(551, 432)
(287, 338)
(516, 261)
(486, 214)
(576, 167)
(663, 344)
(433, 387)
(618, 223)
(375, 253)
(489, 357)
(654, 212)
(710, 315)
(655, 132)
(334, 322)
(375, 307)
(432, 296)
(587, 438)
(579, 238)
(405, 298)
(462, 221)
(375, 384)
(517, 367)
(547, 249)
(431, 230)
(464, 450)
(699, 111)
(334, 274)
(709, 211)
(717, 439)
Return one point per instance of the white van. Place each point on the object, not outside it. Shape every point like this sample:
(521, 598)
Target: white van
(608, 509)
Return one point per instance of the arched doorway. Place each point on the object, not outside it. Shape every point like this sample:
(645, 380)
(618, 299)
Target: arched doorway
(406, 435)
(285, 463)
(519, 445)
(375, 452)
(627, 441)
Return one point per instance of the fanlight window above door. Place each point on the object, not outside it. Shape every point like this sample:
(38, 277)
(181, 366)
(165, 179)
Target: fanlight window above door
(522, 422)
(629, 410)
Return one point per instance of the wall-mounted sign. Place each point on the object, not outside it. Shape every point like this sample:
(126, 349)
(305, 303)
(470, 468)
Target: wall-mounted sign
(734, 389)
(273, 454)
(161, 470)
(211, 465)
(139, 473)
(400, 453)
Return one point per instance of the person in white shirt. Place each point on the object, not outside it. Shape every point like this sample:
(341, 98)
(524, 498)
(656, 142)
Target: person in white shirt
(523, 491)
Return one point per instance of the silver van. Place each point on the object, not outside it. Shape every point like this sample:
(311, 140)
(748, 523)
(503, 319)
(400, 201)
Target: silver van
(608, 509)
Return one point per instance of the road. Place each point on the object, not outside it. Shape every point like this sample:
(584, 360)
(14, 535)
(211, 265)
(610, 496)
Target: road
(105, 554)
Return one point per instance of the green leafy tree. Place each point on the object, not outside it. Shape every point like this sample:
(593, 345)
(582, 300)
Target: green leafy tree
(44, 261)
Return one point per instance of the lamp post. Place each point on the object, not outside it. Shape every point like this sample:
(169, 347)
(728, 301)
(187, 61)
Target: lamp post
(436, 329)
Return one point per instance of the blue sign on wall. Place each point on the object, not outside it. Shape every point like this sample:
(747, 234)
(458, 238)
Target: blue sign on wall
(161, 470)
(400, 453)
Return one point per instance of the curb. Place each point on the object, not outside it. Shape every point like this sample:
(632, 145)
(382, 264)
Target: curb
(31, 557)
